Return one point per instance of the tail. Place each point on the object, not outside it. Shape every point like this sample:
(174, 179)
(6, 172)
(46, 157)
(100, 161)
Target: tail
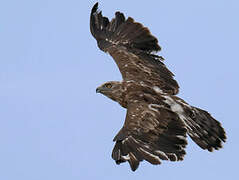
(121, 32)
(204, 130)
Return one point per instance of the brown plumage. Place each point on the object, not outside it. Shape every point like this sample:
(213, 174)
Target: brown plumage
(157, 121)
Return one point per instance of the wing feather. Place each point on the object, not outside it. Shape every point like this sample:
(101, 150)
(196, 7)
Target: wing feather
(132, 45)
(151, 135)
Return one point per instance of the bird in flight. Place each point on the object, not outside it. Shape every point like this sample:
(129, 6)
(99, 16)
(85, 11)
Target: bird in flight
(157, 121)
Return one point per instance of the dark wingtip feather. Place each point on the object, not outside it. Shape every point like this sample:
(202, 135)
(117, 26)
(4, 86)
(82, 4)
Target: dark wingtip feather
(95, 7)
(93, 26)
(121, 31)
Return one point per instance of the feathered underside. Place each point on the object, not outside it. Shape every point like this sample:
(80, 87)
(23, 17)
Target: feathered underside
(132, 46)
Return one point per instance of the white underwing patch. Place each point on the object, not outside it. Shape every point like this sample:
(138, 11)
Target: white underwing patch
(175, 107)
(157, 89)
(155, 107)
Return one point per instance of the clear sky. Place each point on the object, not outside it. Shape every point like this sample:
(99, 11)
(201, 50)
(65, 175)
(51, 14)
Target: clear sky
(52, 123)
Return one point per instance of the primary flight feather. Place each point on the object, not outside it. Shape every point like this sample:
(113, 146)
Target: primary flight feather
(157, 122)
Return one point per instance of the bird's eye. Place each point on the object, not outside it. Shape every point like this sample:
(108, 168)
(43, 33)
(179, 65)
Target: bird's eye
(108, 86)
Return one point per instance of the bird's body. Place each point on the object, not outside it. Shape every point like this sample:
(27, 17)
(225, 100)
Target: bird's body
(157, 121)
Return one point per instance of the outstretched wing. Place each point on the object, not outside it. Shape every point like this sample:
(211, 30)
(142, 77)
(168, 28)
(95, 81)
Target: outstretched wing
(132, 46)
(151, 132)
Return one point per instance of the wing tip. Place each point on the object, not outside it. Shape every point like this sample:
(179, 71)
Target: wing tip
(95, 8)
(133, 34)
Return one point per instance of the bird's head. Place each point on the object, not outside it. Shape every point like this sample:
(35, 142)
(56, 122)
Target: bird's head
(112, 89)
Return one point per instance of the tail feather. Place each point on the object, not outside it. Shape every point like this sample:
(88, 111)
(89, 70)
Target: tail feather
(204, 130)
(121, 31)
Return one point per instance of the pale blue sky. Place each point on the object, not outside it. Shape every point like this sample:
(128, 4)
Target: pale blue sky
(52, 123)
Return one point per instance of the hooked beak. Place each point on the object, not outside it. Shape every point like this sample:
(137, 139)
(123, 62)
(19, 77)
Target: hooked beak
(101, 90)
(98, 90)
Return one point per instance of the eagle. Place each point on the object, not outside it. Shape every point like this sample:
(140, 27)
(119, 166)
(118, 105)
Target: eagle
(157, 121)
